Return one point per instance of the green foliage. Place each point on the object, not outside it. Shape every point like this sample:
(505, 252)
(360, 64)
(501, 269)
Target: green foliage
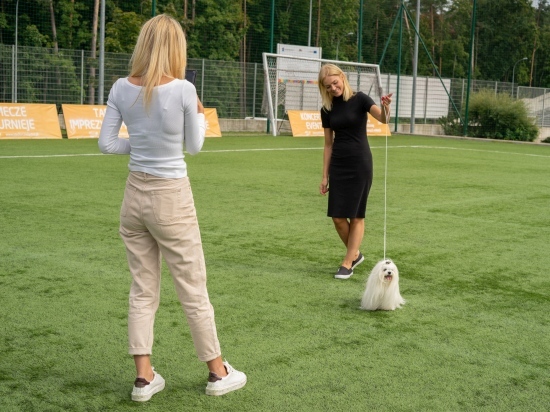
(61, 86)
(508, 29)
(223, 91)
(343, 21)
(3, 21)
(72, 31)
(31, 36)
(66, 84)
(494, 116)
(217, 30)
(451, 125)
(498, 116)
(238, 30)
(122, 32)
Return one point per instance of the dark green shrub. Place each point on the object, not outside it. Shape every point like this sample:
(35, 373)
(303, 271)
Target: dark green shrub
(498, 116)
(451, 125)
(494, 116)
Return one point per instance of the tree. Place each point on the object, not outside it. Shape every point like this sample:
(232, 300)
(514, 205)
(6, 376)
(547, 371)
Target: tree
(122, 31)
(217, 31)
(73, 32)
(507, 30)
(540, 70)
(339, 17)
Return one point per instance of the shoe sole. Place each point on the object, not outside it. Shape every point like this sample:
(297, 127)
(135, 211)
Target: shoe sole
(358, 263)
(145, 398)
(343, 276)
(219, 392)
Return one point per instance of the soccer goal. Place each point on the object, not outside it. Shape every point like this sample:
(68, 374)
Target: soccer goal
(291, 83)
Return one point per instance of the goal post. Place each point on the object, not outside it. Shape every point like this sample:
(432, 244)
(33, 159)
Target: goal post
(291, 83)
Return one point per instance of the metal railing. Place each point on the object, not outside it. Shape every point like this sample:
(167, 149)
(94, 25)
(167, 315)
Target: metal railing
(236, 90)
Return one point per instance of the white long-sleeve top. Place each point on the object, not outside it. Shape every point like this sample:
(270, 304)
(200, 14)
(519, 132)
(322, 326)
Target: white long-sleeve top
(157, 135)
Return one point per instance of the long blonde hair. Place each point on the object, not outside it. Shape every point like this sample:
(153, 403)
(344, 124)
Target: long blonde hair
(326, 97)
(161, 50)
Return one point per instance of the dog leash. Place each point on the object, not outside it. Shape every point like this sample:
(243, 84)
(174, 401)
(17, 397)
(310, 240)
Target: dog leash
(386, 183)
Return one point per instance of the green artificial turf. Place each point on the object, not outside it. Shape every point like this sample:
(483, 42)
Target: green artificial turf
(468, 225)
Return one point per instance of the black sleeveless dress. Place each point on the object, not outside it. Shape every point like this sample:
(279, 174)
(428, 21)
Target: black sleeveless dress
(350, 170)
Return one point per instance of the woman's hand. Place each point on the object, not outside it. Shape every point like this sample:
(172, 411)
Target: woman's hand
(386, 100)
(323, 187)
(200, 107)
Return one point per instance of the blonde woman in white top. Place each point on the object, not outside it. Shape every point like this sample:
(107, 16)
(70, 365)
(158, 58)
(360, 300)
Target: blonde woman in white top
(158, 218)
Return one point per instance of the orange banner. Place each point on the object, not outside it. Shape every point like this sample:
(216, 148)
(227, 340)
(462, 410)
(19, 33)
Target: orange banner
(84, 120)
(29, 121)
(212, 123)
(305, 123)
(308, 123)
(376, 128)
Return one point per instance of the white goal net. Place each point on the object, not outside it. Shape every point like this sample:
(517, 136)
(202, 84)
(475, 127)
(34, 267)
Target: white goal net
(291, 83)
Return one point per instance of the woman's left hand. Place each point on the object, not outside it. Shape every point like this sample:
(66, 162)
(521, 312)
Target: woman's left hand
(386, 100)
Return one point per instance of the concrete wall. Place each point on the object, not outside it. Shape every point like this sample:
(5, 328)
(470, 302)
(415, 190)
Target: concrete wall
(259, 125)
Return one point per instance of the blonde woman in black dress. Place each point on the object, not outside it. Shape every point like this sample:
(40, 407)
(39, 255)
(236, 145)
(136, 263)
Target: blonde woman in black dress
(347, 159)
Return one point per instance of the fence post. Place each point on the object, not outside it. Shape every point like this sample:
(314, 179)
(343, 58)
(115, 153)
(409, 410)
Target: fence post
(543, 101)
(12, 73)
(462, 95)
(81, 76)
(426, 98)
(254, 91)
(101, 53)
(202, 82)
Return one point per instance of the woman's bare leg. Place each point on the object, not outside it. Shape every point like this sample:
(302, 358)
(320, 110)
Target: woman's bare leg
(143, 367)
(351, 232)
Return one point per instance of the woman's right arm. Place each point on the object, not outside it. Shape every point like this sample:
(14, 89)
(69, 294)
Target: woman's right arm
(327, 153)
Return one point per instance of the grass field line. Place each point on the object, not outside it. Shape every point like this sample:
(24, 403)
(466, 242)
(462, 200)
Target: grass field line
(294, 149)
(48, 156)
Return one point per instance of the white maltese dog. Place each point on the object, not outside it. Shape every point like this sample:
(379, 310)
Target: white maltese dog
(382, 291)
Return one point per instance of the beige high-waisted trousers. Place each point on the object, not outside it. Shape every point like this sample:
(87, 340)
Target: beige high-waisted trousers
(158, 219)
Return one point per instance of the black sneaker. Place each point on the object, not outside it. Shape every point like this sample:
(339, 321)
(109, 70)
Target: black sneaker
(343, 273)
(357, 261)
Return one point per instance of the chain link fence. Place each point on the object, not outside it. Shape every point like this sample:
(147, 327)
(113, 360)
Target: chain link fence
(38, 75)
(236, 90)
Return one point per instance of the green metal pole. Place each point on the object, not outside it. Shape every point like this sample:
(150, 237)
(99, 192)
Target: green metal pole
(154, 8)
(399, 64)
(472, 33)
(389, 39)
(360, 33)
(272, 26)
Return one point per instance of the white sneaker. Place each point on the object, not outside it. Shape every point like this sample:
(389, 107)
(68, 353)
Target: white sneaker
(143, 390)
(219, 386)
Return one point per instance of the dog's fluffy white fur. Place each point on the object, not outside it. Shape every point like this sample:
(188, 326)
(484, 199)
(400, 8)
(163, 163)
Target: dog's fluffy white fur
(382, 291)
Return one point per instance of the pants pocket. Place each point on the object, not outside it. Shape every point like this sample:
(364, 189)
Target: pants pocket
(171, 206)
(129, 194)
